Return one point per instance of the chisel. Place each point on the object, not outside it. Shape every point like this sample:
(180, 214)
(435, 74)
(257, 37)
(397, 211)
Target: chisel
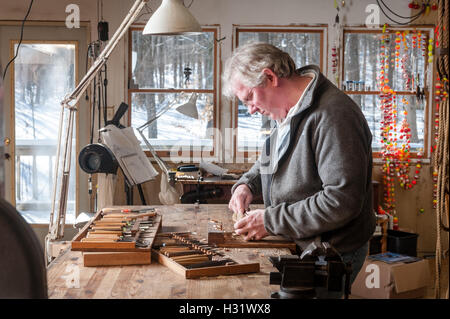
(211, 263)
(106, 232)
(182, 253)
(189, 261)
(107, 228)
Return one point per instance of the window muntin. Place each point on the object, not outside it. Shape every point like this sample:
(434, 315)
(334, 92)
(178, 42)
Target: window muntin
(158, 62)
(415, 117)
(173, 128)
(157, 66)
(362, 59)
(361, 65)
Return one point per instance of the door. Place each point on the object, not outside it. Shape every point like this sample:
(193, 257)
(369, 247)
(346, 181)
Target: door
(50, 61)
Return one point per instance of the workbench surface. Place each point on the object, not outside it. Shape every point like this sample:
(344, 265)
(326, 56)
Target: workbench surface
(158, 281)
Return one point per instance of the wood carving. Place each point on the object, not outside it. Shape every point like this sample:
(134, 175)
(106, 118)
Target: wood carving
(218, 236)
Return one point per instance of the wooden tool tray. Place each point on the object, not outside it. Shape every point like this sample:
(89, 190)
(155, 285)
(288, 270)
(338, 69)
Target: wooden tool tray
(79, 243)
(182, 264)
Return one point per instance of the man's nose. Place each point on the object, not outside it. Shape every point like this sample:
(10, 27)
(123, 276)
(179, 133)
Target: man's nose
(252, 109)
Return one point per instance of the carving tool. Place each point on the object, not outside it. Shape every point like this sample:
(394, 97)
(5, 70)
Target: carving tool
(191, 261)
(175, 249)
(129, 216)
(196, 244)
(107, 211)
(106, 222)
(106, 232)
(174, 233)
(182, 253)
(190, 257)
(212, 263)
(103, 236)
(107, 228)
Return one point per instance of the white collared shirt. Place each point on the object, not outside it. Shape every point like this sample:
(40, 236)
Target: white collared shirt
(283, 125)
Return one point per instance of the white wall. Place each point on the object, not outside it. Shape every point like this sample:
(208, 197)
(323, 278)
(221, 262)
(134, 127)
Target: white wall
(222, 12)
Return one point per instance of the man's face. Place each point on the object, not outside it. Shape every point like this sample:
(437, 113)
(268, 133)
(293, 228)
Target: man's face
(262, 99)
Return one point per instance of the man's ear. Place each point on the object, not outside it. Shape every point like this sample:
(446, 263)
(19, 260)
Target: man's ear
(271, 77)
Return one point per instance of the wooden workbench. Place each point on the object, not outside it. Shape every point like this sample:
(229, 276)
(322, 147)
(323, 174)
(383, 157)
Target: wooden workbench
(157, 281)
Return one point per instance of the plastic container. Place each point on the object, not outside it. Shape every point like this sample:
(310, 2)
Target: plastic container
(402, 242)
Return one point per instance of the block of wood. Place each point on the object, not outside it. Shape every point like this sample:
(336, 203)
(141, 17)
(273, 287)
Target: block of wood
(218, 236)
(92, 259)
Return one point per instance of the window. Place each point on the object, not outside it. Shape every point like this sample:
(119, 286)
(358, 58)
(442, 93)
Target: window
(407, 75)
(43, 74)
(166, 71)
(305, 45)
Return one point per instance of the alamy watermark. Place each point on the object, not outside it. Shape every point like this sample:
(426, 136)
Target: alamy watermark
(373, 279)
(73, 19)
(73, 276)
(373, 19)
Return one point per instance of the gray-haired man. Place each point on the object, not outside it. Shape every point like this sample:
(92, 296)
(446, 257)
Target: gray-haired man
(315, 169)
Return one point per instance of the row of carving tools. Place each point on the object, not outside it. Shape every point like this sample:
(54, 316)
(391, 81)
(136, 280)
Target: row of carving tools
(122, 226)
(189, 252)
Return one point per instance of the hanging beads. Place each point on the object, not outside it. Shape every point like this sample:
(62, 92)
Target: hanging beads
(395, 136)
(430, 50)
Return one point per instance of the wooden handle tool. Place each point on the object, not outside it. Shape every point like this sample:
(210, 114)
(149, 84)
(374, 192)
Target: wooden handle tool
(211, 263)
(104, 236)
(96, 231)
(191, 257)
(98, 240)
(192, 261)
(182, 253)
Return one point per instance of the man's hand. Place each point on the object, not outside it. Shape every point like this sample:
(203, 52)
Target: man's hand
(241, 199)
(252, 226)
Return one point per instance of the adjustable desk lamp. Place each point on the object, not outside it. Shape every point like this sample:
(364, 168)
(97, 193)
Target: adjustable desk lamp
(171, 18)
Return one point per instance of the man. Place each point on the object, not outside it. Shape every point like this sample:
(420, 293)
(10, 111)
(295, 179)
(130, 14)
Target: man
(315, 168)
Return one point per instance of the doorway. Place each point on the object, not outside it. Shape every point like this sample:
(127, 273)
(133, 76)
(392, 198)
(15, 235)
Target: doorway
(50, 61)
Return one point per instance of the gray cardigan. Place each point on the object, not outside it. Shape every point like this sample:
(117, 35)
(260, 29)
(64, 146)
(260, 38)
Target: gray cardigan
(322, 183)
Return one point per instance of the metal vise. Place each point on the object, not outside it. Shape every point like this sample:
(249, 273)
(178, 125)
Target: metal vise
(320, 265)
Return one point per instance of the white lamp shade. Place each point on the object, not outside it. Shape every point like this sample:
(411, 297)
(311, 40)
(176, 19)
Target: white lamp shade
(190, 107)
(172, 17)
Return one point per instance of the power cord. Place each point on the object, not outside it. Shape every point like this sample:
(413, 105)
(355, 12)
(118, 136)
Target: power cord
(413, 18)
(20, 41)
(397, 15)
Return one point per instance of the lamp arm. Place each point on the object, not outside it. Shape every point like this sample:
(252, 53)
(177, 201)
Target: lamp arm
(158, 159)
(65, 132)
(157, 116)
(74, 97)
(141, 128)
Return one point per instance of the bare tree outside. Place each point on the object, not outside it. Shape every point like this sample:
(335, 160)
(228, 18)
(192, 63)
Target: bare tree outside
(159, 78)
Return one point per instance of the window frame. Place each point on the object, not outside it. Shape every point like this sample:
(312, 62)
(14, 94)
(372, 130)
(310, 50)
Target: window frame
(428, 129)
(196, 153)
(322, 29)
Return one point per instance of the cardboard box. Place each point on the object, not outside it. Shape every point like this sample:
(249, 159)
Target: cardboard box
(380, 280)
